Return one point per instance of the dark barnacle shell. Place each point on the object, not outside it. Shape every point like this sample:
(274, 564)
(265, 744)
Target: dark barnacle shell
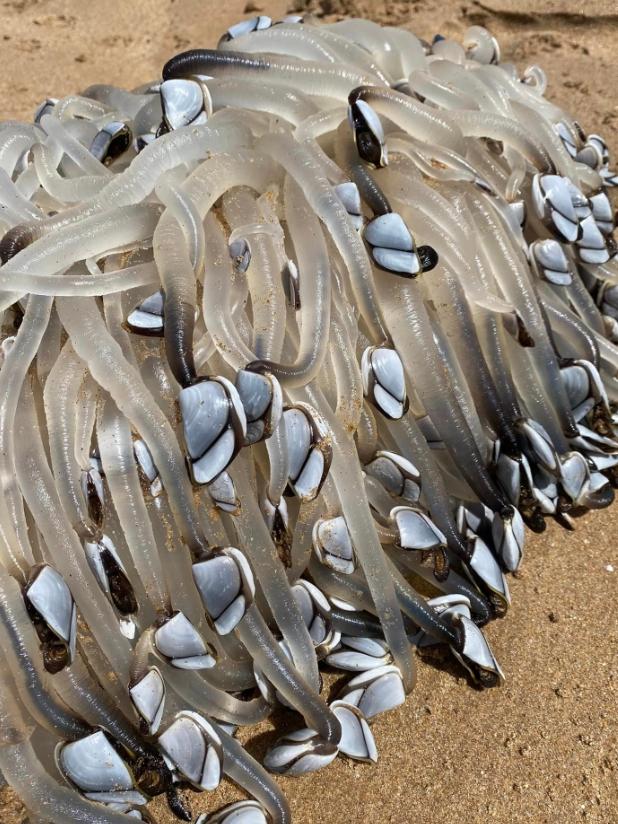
(368, 132)
(111, 141)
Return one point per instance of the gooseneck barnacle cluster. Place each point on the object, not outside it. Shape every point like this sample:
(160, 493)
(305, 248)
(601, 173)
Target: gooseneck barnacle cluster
(295, 341)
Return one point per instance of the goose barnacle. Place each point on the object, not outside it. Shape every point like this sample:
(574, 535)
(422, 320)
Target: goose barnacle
(111, 141)
(96, 768)
(54, 614)
(309, 448)
(384, 381)
(179, 641)
(192, 747)
(313, 457)
(214, 426)
(226, 586)
(368, 133)
(375, 691)
(240, 812)
(357, 740)
(332, 544)
(397, 474)
(182, 103)
(147, 317)
(148, 696)
(299, 752)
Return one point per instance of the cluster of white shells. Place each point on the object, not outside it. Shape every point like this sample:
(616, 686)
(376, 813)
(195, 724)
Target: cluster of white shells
(295, 341)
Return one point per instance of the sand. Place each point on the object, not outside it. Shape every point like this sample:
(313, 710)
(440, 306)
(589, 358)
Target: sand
(544, 748)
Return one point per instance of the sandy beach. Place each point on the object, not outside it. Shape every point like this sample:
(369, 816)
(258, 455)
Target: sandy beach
(543, 748)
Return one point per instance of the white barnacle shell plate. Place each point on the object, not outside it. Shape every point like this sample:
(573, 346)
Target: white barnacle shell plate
(392, 245)
(94, 766)
(416, 530)
(241, 812)
(485, 566)
(315, 610)
(551, 196)
(205, 410)
(179, 641)
(368, 133)
(552, 261)
(298, 753)
(214, 426)
(262, 399)
(357, 740)
(375, 691)
(333, 545)
(349, 195)
(223, 493)
(360, 654)
(193, 747)
(475, 653)
(51, 597)
(147, 317)
(148, 697)
(508, 538)
(574, 474)
(398, 475)
(182, 102)
(226, 586)
(384, 380)
(309, 450)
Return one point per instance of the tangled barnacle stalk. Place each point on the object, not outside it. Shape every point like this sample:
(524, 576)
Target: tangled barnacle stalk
(296, 340)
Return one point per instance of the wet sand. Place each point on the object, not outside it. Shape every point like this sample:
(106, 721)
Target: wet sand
(544, 748)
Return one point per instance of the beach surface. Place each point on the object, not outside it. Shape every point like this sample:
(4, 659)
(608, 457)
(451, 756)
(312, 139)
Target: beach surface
(543, 748)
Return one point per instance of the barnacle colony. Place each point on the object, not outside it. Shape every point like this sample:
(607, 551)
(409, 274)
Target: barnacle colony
(324, 315)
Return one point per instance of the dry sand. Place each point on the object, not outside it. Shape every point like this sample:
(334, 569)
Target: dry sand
(544, 748)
